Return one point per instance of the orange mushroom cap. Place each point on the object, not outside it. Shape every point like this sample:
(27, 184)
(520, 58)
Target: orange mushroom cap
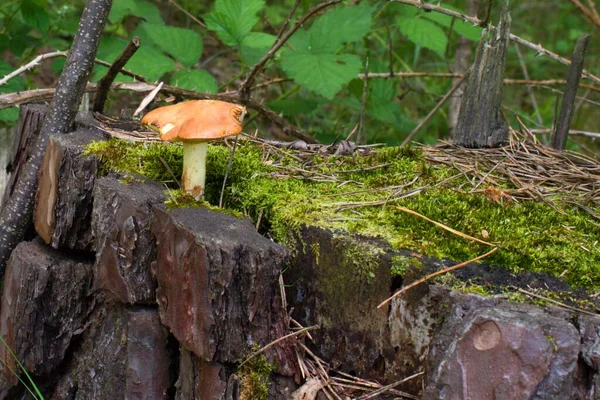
(197, 120)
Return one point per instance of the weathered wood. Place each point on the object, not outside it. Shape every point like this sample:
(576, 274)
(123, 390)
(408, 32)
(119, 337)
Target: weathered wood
(124, 245)
(124, 354)
(31, 118)
(218, 286)
(45, 300)
(559, 139)
(63, 205)
(15, 217)
(480, 123)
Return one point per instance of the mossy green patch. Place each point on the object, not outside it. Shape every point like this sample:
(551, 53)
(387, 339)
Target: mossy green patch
(254, 379)
(282, 190)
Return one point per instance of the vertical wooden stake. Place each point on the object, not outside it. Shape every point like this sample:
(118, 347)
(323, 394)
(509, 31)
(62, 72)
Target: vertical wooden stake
(480, 123)
(559, 139)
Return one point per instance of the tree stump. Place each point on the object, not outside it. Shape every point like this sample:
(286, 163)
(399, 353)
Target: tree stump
(124, 355)
(45, 300)
(124, 245)
(480, 123)
(218, 286)
(63, 205)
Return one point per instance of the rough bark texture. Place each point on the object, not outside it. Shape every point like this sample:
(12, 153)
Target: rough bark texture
(125, 246)
(489, 348)
(462, 59)
(16, 214)
(45, 300)
(559, 140)
(31, 118)
(218, 285)
(62, 215)
(480, 123)
(124, 355)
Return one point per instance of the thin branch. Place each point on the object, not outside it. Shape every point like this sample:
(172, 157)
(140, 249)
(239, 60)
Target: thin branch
(360, 138)
(245, 87)
(189, 14)
(589, 13)
(32, 64)
(113, 71)
(384, 389)
(476, 21)
(595, 135)
(534, 103)
(430, 276)
(287, 20)
(434, 110)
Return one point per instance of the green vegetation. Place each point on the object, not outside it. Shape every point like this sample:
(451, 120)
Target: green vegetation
(350, 193)
(28, 383)
(254, 378)
(322, 93)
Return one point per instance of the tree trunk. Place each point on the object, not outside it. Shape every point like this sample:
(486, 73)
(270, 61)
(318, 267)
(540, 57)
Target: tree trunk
(17, 212)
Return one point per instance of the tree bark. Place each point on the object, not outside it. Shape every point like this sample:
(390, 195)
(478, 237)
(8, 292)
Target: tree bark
(17, 213)
(480, 123)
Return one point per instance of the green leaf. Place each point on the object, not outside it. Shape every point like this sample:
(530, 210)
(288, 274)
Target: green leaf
(35, 15)
(10, 114)
(291, 107)
(198, 80)
(340, 26)
(324, 74)
(138, 8)
(255, 45)
(233, 20)
(13, 85)
(465, 29)
(147, 61)
(424, 33)
(184, 45)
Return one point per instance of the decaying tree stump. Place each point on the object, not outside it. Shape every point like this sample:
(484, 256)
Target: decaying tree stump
(480, 123)
(124, 354)
(218, 285)
(62, 215)
(45, 301)
(31, 118)
(124, 244)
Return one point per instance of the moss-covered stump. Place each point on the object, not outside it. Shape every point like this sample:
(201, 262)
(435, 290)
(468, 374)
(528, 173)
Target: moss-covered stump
(353, 246)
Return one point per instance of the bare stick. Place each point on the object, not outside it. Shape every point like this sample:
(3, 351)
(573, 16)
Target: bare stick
(559, 139)
(430, 276)
(476, 21)
(534, 104)
(287, 20)
(244, 89)
(113, 71)
(189, 14)
(383, 389)
(32, 64)
(360, 138)
(229, 163)
(15, 217)
(273, 343)
(148, 99)
(435, 110)
(571, 133)
(589, 13)
(557, 303)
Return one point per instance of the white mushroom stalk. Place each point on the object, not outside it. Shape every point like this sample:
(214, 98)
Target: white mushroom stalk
(195, 123)
(193, 178)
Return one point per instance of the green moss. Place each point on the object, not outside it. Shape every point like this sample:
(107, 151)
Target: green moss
(401, 264)
(355, 195)
(254, 379)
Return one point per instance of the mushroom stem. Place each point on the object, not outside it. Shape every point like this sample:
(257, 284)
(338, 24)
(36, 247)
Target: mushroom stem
(194, 167)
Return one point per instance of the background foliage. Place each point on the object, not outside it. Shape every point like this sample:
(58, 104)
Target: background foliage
(319, 90)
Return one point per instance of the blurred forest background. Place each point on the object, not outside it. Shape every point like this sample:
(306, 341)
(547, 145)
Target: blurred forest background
(313, 81)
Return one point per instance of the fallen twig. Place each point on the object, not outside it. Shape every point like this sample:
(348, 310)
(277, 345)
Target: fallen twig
(32, 64)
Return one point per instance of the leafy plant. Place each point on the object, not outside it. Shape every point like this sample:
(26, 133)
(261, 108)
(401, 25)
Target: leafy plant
(29, 385)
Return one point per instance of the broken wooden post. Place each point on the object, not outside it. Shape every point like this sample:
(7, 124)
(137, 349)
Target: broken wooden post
(480, 123)
(559, 139)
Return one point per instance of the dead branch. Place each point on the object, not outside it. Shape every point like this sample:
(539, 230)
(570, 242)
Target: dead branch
(32, 64)
(588, 12)
(104, 84)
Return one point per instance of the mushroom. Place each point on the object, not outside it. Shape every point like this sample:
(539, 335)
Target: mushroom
(195, 123)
